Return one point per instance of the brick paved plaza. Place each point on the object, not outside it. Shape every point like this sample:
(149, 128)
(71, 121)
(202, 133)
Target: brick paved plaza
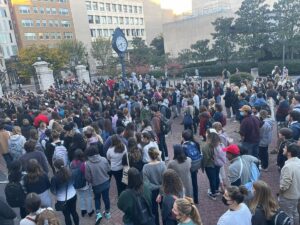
(210, 210)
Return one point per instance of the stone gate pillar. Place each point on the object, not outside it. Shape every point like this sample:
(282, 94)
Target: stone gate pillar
(44, 75)
(82, 74)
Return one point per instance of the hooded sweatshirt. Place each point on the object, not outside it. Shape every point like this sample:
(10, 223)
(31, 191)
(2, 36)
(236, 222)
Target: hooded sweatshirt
(16, 146)
(96, 170)
(265, 132)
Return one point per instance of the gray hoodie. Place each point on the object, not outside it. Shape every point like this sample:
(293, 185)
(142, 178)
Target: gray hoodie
(265, 132)
(96, 170)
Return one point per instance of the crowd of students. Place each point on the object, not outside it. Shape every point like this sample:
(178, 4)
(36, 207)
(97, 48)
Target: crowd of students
(70, 141)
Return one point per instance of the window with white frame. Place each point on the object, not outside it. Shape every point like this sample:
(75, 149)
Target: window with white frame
(30, 36)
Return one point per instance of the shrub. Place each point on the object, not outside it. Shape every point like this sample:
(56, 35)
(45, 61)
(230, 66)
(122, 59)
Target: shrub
(237, 78)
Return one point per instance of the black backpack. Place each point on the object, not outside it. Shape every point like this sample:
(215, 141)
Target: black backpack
(15, 194)
(165, 125)
(281, 218)
(168, 112)
(142, 213)
(78, 176)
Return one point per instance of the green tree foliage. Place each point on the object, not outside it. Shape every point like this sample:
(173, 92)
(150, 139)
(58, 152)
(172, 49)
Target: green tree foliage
(74, 51)
(252, 28)
(140, 54)
(185, 56)
(224, 46)
(158, 45)
(28, 56)
(286, 26)
(102, 52)
(158, 56)
(201, 51)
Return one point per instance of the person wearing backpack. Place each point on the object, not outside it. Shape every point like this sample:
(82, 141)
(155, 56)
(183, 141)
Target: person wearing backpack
(63, 189)
(294, 124)
(188, 118)
(96, 173)
(264, 207)
(135, 201)
(157, 128)
(60, 151)
(192, 150)
(16, 143)
(211, 163)
(83, 189)
(289, 188)
(15, 192)
(35, 180)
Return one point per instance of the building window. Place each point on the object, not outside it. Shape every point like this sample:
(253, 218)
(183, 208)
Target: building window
(114, 7)
(58, 35)
(53, 11)
(135, 9)
(130, 9)
(56, 22)
(14, 49)
(30, 36)
(63, 1)
(10, 37)
(120, 8)
(97, 19)
(53, 35)
(35, 9)
(142, 32)
(140, 10)
(99, 33)
(42, 10)
(133, 33)
(101, 6)
(63, 11)
(68, 35)
(115, 20)
(95, 5)
(88, 5)
(47, 36)
(105, 33)
(109, 20)
(131, 21)
(103, 19)
(93, 32)
(10, 25)
(136, 21)
(44, 23)
(125, 8)
(127, 32)
(27, 23)
(24, 10)
(50, 23)
(141, 21)
(41, 36)
(65, 23)
(91, 18)
(37, 23)
(121, 20)
(111, 32)
(48, 11)
(107, 6)
(138, 32)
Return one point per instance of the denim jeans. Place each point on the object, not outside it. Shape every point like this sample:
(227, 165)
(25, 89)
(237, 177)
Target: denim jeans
(98, 192)
(162, 146)
(264, 157)
(118, 177)
(71, 210)
(195, 186)
(252, 148)
(213, 178)
(85, 199)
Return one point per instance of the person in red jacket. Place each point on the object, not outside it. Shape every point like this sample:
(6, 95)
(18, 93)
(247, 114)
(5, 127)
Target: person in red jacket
(42, 117)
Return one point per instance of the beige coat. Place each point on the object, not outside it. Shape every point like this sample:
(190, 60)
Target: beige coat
(290, 179)
(4, 136)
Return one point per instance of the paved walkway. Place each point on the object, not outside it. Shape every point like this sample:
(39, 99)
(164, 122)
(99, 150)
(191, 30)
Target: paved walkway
(210, 210)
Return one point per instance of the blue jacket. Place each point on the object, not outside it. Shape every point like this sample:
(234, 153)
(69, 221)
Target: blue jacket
(265, 132)
(296, 130)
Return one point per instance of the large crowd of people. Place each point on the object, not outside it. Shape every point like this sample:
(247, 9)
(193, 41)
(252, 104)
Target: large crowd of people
(72, 141)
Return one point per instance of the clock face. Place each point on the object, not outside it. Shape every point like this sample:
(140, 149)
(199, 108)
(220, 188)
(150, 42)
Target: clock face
(121, 44)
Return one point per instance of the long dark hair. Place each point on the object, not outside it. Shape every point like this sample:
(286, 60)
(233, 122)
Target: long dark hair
(34, 171)
(135, 180)
(179, 154)
(15, 171)
(63, 174)
(171, 183)
(117, 143)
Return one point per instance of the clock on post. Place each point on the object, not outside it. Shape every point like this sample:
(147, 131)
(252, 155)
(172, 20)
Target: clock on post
(120, 44)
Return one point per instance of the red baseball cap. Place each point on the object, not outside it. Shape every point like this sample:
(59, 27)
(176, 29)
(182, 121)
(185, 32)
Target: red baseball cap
(233, 149)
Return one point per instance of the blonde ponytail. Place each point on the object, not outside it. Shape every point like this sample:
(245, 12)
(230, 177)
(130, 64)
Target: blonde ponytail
(187, 207)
